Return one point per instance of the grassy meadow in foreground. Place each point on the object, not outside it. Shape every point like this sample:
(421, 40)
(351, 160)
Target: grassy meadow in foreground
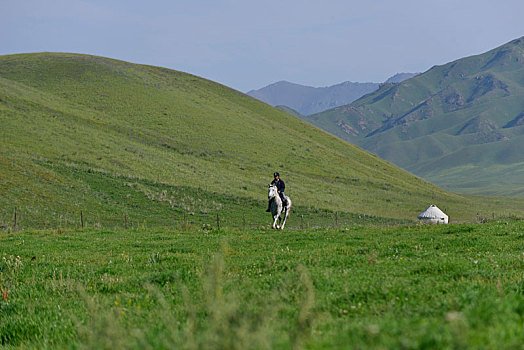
(94, 138)
(411, 287)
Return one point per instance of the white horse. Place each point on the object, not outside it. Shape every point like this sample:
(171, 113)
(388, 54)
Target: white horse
(277, 207)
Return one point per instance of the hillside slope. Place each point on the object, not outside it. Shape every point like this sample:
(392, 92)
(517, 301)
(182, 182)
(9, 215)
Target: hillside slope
(459, 125)
(109, 137)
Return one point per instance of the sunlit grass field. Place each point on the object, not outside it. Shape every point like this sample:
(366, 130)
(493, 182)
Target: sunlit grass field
(91, 145)
(410, 287)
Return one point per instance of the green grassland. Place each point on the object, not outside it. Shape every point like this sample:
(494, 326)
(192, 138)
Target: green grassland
(107, 138)
(458, 125)
(405, 287)
(90, 137)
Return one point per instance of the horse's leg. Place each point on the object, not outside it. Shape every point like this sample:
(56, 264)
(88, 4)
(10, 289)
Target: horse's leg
(275, 217)
(279, 218)
(284, 221)
(285, 218)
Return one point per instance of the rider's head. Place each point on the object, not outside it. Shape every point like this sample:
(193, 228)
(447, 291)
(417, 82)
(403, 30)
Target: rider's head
(276, 175)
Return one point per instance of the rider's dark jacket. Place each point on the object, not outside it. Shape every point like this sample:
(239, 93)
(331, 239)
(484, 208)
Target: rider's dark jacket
(281, 186)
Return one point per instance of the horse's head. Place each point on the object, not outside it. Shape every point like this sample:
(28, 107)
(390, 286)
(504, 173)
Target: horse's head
(272, 191)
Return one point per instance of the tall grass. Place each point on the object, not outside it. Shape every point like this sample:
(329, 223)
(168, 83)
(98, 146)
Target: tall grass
(212, 316)
(360, 287)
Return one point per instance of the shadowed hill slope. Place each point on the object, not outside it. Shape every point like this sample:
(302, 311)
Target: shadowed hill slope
(81, 131)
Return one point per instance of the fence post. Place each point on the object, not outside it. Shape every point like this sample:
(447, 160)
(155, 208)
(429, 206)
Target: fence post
(218, 222)
(185, 220)
(302, 222)
(336, 218)
(244, 221)
(16, 219)
(125, 221)
(82, 219)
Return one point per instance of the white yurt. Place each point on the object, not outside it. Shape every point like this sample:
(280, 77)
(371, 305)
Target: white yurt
(433, 215)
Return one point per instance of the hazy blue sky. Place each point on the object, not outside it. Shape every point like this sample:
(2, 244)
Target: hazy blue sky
(249, 44)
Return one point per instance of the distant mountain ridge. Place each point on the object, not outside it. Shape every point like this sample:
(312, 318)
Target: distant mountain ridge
(308, 100)
(459, 125)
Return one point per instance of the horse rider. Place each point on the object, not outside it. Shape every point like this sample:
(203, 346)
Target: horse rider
(281, 187)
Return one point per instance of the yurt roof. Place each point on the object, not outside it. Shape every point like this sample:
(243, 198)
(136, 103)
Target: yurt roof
(433, 212)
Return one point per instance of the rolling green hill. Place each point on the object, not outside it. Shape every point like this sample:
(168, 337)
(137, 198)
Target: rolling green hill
(106, 137)
(459, 125)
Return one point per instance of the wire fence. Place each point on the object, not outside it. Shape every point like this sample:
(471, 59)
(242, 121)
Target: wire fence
(85, 219)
